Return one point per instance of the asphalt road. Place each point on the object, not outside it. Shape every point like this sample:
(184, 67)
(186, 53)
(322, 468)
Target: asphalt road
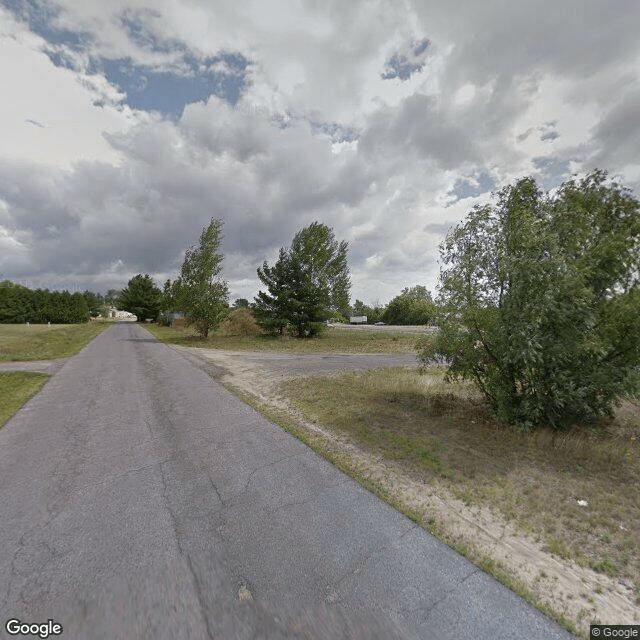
(141, 500)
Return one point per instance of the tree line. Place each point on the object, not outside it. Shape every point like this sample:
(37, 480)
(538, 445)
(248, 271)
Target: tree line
(19, 304)
(307, 286)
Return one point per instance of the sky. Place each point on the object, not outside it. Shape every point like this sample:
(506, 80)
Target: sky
(125, 126)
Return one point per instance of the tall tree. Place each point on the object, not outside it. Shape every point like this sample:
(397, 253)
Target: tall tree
(307, 284)
(16, 303)
(141, 297)
(95, 303)
(200, 292)
(541, 296)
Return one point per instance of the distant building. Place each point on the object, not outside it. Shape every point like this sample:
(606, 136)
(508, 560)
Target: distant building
(121, 315)
(358, 320)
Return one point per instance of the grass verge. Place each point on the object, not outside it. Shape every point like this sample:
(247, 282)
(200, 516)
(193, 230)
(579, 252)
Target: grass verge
(333, 340)
(19, 342)
(442, 433)
(16, 387)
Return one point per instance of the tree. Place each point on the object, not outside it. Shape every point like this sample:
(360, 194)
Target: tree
(95, 303)
(141, 297)
(413, 306)
(16, 303)
(374, 314)
(541, 298)
(307, 285)
(199, 292)
(111, 297)
(241, 303)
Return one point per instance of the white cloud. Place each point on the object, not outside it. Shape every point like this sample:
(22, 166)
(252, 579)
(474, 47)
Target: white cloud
(101, 193)
(71, 126)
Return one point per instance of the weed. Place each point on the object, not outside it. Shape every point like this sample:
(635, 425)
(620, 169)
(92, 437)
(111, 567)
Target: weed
(558, 547)
(606, 565)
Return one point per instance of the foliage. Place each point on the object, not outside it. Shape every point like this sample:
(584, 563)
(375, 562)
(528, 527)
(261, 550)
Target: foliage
(111, 297)
(307, 285)
(240, 322)
(374, 314)
(19, 304)
(16, 303)
(200, 293)
(414, 306)
(241, 303)
(95, 303)
(541, 298)
(141, 297)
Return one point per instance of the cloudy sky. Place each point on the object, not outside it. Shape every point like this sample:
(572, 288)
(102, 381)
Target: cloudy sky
(126, 125)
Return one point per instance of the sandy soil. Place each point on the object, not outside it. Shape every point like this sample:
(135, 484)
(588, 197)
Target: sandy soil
(580, 594)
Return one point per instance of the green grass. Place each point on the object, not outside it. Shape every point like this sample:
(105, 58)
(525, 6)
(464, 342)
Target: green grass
(19, 342)
(16, 387)
(334, 340)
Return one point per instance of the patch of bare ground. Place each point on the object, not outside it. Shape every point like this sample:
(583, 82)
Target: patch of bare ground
(510, 520)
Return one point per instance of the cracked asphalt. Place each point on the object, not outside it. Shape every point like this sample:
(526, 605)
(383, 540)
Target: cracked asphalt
(140, 499)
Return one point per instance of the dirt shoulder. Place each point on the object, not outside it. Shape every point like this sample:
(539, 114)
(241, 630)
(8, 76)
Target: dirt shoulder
(578, 594)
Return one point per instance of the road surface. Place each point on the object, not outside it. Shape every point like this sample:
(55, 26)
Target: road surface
(141, 500)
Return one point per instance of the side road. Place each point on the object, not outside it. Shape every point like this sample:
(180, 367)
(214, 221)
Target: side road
(142, 500)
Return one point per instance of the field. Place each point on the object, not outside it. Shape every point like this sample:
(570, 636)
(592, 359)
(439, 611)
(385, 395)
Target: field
(15, 389)
(19, 342)
(552, 515)
(36, 342)
(335, 340)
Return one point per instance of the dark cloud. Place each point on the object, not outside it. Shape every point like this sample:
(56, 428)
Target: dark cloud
(618, 133)
(419, 126)
(572, 39)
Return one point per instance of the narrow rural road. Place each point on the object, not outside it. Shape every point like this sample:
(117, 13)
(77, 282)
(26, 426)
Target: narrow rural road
(141, 500)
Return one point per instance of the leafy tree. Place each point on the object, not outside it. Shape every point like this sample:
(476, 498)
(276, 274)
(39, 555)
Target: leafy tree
(241, 303)
(77, 310)
(413, 306)
(200, 293)
(141, 297)
(542, 295)
(95, 303)
(111, 297)
(16, 303)
(374, 314)
(307, 285)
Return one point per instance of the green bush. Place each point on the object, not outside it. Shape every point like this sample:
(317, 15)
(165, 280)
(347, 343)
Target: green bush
(541, 298)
